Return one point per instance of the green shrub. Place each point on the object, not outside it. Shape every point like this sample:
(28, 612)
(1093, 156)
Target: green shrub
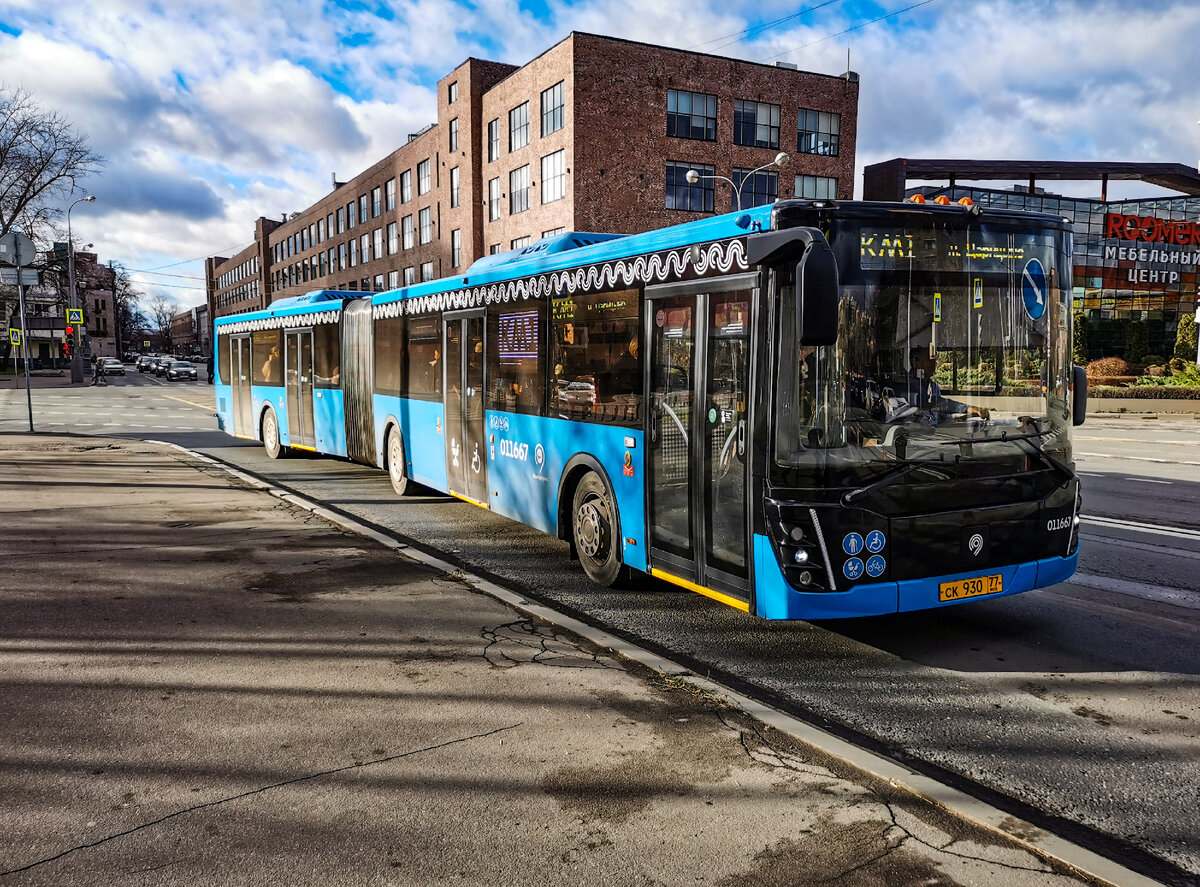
(1137, 342)
(1153, 360)
(1151, 392)
(1079, 347)
(1185, 338)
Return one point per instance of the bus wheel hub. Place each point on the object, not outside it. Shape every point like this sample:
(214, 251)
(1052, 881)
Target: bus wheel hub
(590, 529)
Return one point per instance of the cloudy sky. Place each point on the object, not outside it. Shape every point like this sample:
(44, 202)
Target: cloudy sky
(214, 112)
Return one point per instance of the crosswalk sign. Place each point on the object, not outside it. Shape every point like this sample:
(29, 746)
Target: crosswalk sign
(75, 315)
(14, 336)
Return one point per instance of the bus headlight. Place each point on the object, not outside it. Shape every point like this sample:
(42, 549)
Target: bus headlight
(801, 556)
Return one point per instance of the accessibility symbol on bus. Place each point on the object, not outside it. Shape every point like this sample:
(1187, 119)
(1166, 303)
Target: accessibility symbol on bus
(852, 544)
(1033, 289)
(875, 541)
(875, 566)
(853, 568)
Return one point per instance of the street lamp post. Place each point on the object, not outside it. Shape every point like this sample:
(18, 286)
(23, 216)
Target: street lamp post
(72, 295)
(781, 160)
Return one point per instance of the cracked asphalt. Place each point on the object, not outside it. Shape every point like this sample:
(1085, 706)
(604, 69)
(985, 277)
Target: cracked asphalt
(202, 684)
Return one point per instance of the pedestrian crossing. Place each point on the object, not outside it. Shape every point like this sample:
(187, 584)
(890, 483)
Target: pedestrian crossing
(108, 410)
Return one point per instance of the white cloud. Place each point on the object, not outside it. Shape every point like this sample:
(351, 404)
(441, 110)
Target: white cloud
(214, 113)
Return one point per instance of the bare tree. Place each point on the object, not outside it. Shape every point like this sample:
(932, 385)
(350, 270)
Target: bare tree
(42, 160)
(127, 308)
(159, 312)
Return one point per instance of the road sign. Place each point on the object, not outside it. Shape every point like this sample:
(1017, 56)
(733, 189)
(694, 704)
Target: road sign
(14, 336)
(75, 315)
(1033, 289)
(17, 249)
(22, 276)
(145, 343)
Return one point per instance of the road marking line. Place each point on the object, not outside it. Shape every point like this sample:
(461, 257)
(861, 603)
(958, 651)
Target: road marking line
(1163, 550)
(1138, 458)
(1180, 532)
(190, 403)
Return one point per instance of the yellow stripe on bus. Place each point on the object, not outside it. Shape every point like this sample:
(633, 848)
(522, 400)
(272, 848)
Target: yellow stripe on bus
(700, 589)
(468, 499)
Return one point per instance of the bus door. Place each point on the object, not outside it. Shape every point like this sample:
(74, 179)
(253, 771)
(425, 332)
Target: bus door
(298, 380)
(466, 446)
(239, 370)
(697, 427)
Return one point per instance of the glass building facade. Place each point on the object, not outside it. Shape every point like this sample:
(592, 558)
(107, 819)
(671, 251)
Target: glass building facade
(1133, 260)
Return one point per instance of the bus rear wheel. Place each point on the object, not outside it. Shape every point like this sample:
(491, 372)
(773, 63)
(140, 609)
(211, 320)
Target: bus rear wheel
(595, 529)
(270, 435)
(396, 463)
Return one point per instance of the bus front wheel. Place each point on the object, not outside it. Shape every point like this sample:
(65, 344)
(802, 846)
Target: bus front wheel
(594, 524)
(397, 466)
(270, 435)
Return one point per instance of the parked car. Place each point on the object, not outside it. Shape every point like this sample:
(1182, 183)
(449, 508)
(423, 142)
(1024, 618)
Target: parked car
(112, 366)
(181, 369)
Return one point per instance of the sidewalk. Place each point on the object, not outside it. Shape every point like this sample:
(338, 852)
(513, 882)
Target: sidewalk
(203, 684)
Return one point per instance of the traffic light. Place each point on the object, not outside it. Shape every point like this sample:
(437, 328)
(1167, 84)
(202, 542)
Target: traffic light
(66, 347)
(70, 330)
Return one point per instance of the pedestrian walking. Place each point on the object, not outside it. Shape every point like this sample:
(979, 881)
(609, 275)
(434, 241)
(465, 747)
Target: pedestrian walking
(210, 369)
(98, 372)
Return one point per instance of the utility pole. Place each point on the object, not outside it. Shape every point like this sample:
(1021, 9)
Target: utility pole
(20, 250)
(73, 296)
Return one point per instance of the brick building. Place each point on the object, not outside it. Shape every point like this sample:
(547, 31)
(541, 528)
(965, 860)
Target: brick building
(96, 286)
(595, 134)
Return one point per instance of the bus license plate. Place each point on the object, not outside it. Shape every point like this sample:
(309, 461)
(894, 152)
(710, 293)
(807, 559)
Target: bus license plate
(974, 587)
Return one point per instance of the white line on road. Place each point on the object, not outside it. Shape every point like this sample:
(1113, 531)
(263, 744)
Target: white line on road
(1150, 480)
(1178, 532)
(1137, 458)
(1161, 550)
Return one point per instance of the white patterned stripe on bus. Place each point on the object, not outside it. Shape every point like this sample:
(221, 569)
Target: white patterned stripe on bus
(656, 268)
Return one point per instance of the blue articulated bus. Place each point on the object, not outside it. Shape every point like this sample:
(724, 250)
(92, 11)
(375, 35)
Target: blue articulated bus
(807, 410)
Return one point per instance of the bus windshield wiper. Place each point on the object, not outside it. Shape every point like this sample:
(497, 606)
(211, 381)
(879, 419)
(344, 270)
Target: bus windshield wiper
(902, 469)
(1028, 438)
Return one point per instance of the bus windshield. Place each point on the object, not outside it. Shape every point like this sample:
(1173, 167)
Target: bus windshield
(952, 360)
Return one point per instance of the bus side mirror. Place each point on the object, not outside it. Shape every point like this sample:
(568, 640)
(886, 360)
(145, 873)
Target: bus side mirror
(1078, 395)
(817, 293)
(816, 278)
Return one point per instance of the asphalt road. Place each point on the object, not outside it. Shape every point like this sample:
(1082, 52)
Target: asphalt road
(1080, 700)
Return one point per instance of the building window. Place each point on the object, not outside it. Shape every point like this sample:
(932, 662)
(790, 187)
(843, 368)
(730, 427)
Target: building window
(341, 257)
(353, 252)
(554, 232)
(493, 249)
(691, 115)
(320, 230)
(493, 199)
(332, 259)
(681, 194)
(758, 189)
(518, 190)
(389, 190)
(817, 132)
(376, 202)
(351, 215)
(426, 271)
(378, 283)
(378, 237)
(341, 219)
(520, 242)
(494, 140)
(518, 127)
(455, 248)
(424, 184)
(554, 176)
(755, 124)
(452, 93)
(454, 134)
(425, 224)
(363, 208)
(393, 279)
(454, 187)
(406, 186)
(393, 237)
(364, 246)
(410, 276)
(553, 109)
(406, 227)
(816, 187)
